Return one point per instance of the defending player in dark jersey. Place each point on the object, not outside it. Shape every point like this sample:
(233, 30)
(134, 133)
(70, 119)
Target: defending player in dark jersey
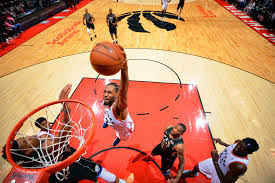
(89, 22)
(170, 148)
(111, 21)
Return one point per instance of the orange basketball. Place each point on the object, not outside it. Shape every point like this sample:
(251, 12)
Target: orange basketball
(106, 58)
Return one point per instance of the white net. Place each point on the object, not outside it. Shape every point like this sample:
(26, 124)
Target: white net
(48, 135)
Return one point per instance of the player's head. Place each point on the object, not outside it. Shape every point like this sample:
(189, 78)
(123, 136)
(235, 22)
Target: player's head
(178, 130)
(110, 94)
(110, 11)
(19, 155)
(86, 10)
(42, 123)
(16, 157)
(246, 146)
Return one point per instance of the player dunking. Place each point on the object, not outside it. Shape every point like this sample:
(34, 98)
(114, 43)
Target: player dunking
(82, 169)
(116, 106)
(89, 22)
(164, 4)
(111, 21)
(180, 7)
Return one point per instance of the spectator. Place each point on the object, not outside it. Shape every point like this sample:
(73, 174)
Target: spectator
(10, 22)
(241, 4)
(260, 10)
(250, 7)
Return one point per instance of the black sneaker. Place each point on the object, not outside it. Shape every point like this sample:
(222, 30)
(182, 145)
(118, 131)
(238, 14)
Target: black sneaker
(91, 38)
(105, 125)
(116, 141)
(95, 35)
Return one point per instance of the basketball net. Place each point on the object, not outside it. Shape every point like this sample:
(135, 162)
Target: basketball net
(50, 152)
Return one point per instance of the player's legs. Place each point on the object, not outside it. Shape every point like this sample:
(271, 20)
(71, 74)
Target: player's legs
(122, 134)
(180, 6)
(156, 151)
(109, 177)
(88, 30)
(164, 8)
(167, 163)
(191, 173)
(116, 37)
(93, 28)
(112, 38)
(206, 167)
(115, 32)
(111, 30)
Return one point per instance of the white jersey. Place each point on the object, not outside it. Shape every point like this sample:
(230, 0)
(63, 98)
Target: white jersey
(226, 158)
(123, 128)
(41, 133)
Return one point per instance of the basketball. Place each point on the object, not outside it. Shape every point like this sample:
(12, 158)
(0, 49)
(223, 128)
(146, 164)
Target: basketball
(106, 58)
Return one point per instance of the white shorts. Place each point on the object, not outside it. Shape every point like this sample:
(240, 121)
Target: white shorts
(208, 169)
(164, 5)
(124, 133)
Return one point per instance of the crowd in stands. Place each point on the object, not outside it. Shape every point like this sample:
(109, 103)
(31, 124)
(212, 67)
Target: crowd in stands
(8, 28)
(12, 10)
(262, 11)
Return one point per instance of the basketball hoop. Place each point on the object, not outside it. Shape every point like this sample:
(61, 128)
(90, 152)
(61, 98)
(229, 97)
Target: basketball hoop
(47, 159)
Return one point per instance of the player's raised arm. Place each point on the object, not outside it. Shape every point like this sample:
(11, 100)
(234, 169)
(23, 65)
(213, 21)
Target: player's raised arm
(65, 126)
(218, 140)
(122, 102)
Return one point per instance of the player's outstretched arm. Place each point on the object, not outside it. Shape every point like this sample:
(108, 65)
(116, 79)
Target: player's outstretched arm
(65, 126)
(218, 140)
(122, 102)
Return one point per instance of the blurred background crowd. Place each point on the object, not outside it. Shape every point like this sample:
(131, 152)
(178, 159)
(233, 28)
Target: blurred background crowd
(260, 10)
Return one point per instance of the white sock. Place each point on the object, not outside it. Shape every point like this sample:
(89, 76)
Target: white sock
(88, 30)
(122, 181)
(107, 176)
(114, 41)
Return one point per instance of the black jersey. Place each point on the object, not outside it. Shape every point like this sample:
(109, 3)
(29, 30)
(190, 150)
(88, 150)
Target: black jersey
(88, 18)
(82, 169)
(111, 20)
(168, 143)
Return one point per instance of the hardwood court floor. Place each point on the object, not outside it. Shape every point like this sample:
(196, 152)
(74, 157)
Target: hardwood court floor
(240, 103)
(223, 38)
